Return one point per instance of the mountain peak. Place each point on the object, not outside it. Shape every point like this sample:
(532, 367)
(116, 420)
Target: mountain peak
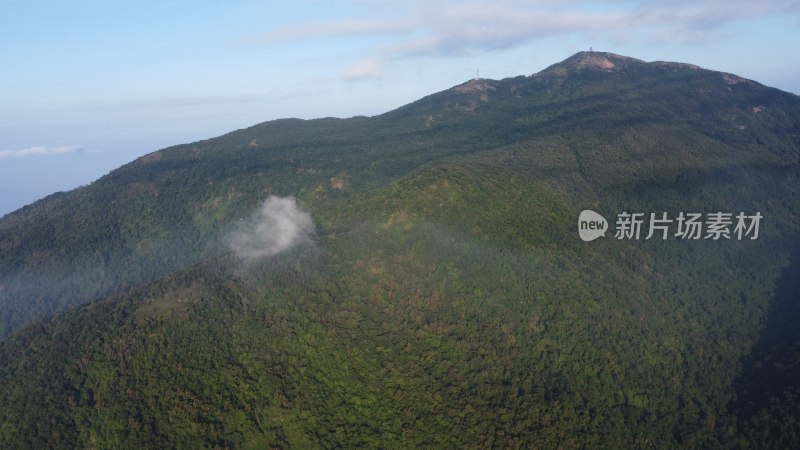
(440, 260)
(591, 61)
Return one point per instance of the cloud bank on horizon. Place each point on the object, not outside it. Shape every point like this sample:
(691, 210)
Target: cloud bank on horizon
(446, 29)
(40, 151)
(166, 73)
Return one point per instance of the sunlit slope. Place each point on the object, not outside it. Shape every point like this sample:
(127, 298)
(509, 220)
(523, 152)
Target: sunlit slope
(445, 299)
(455, 307)
(164, 211)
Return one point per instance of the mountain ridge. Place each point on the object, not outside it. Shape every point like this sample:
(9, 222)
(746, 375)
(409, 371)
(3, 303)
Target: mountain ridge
(525, 98)
(445, 299)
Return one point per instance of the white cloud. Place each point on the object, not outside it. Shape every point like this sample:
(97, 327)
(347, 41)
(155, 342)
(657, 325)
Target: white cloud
(278, 225)
(31, 151)
(365, 68)
(430, 28)
(472, 29)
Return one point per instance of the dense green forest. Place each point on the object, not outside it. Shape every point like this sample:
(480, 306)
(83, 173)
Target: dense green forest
(443, 299)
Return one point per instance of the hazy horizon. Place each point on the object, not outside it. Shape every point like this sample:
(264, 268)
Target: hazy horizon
(90, 86)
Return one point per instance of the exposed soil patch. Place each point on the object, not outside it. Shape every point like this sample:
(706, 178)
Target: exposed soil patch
(152, 157)
(596, 62)
(337, 183)
(676, 65)
(473, 86)
(729, 78)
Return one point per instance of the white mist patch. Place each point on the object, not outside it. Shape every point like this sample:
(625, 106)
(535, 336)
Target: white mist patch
(278, 225)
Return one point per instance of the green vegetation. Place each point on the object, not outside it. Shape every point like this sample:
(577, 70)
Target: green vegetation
(446, 301)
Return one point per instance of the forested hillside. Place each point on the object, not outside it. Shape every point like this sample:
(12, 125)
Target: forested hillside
(438, 294)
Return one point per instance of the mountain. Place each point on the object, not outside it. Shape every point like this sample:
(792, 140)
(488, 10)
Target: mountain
(416, 279)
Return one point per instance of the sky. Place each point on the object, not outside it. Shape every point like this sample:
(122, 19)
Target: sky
(88, 85)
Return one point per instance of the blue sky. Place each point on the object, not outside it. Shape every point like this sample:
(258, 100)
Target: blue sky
(89, 85)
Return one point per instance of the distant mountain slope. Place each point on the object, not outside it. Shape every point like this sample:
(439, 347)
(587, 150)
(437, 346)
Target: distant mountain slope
(445, 299)
(160, 213)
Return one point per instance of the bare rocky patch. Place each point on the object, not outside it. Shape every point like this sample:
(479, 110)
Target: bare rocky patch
(337, 183)
(475, 86)
(731, 79)
(596, 62)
